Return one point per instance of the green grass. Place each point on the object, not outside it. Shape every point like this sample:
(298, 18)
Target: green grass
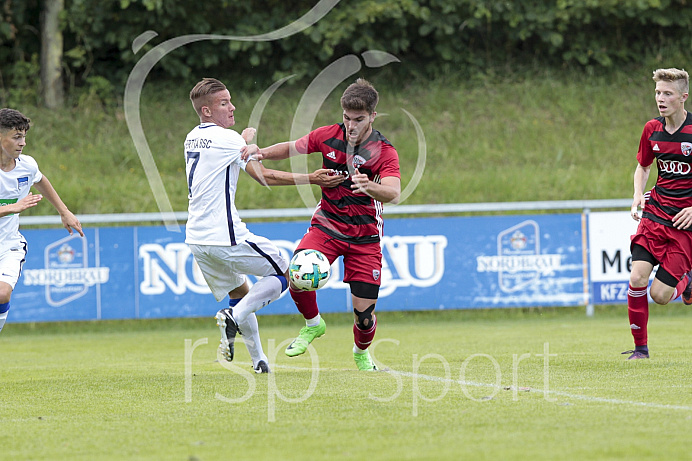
(120, 390)
(554, 135)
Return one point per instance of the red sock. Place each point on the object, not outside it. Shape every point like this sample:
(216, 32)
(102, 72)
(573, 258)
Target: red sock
(638, 311)
(363, 338)
(306, 302)
(680, 287)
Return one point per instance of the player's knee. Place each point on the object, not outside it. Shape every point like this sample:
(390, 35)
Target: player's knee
(5, 293)
(365, 319)
(639, 279)
(660, 298)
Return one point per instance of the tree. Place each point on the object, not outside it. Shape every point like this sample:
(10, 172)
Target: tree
(51, 54)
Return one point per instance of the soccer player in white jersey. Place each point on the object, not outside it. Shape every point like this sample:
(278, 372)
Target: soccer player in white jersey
(18, 172)
(223, 247)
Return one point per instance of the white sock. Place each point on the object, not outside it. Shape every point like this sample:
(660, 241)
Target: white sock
(264, 291)
(358, 350)
(313, 322)
(3, 317)
(251, 337)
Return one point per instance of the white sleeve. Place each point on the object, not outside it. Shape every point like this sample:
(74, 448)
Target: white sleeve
(231, 144)
(33, 167)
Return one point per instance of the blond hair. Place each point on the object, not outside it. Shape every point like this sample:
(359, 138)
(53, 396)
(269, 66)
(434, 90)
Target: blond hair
(200, 94)
(678, 76)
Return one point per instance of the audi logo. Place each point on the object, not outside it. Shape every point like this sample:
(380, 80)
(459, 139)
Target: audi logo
(673, 166)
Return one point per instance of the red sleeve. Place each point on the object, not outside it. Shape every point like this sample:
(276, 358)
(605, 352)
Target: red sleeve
(390, 162)
(311, 142)
(646, 156)
(302, 144)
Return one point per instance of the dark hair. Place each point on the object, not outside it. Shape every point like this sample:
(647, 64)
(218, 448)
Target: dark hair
(360, 96)
(11, 119)
(201, 92)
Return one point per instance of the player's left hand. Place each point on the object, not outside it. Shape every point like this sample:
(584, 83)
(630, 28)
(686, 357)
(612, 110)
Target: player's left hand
(70, 221)
(361, 182)
(251, 150)
(248, 134)
(683, 219)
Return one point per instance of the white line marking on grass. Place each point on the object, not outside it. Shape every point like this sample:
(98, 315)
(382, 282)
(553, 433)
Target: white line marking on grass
(586, 398)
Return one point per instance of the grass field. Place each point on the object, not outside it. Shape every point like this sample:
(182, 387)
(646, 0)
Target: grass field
(458, 385)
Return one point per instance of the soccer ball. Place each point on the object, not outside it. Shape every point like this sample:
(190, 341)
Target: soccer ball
(309, 270)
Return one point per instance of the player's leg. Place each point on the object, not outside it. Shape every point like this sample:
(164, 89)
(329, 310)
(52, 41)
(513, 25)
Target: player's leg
(222, 279)
(227, 324)
(362, 269)
(5, 294)
(251, 337)
(306, 301)
(11, 262)
(364, 298)
(637, 302)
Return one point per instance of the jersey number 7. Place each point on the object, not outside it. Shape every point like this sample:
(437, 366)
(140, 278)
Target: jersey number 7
(194, 156)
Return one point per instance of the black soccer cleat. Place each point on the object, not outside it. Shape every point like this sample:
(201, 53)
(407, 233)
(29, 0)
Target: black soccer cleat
(636, 355)
(229, 329)
(262, 367)
(687, 293)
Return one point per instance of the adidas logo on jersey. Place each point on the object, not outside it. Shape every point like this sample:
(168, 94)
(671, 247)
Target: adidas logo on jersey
(332, 155)
(656, 149)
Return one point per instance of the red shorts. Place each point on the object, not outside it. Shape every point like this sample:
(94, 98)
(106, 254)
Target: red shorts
(670, 246)
(362, 263)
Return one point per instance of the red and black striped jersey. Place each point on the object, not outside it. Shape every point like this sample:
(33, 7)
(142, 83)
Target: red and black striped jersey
(343, 214)
(673, 155)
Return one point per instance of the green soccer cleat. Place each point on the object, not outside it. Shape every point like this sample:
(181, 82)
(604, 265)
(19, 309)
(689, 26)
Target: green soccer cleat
(305, 337)
(364, 362)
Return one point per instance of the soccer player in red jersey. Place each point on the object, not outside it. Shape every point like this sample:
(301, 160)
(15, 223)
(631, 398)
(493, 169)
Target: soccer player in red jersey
(664, 234)
(348, 218)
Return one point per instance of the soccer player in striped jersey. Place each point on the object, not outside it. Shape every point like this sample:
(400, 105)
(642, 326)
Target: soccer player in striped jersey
(224, 249)
(664, 234)
(18, 173)
(348, 218)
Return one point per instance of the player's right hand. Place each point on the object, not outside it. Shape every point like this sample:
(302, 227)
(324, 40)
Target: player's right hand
(636, 204)
(326, 178)
(27, 202)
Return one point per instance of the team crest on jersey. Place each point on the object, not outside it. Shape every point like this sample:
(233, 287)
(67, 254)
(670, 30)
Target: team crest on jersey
(375, 274)
(358, 161)
(686, 148)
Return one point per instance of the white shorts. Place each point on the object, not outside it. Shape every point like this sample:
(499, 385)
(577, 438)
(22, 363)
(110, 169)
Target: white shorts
(224, 267)
(11, 262)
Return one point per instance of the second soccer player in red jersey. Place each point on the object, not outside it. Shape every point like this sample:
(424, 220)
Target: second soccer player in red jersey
(664, 234)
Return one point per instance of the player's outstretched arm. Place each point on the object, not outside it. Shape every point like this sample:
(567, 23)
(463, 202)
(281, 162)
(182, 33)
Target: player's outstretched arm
(267, 177)
(69, 220)
(27, 202)
(278, 151)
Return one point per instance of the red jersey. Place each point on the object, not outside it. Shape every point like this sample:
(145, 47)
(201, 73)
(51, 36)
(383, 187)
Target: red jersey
(673, 152)
(341, 213)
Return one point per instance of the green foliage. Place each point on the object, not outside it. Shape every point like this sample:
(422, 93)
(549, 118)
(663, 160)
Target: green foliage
(437, 36)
